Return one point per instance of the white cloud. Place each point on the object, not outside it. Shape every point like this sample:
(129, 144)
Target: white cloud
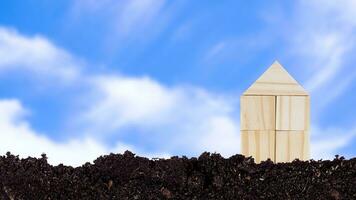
(323, 38)
(36, 55)
(326, 143)
(220, 134)
(19, 138)
(175, 118)
(127, 100)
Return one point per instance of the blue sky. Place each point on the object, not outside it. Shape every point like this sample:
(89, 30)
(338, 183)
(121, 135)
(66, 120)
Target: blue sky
(82, 78)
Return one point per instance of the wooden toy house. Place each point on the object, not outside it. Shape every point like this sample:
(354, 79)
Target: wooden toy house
(275, 118)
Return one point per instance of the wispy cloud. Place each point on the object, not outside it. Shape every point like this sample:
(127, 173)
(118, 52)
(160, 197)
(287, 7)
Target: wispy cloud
(324, 40)
(327, 142)
(126, 20)
(183, 31)
(329, 52)
(137, 15)
(215, 50)
(36, 55)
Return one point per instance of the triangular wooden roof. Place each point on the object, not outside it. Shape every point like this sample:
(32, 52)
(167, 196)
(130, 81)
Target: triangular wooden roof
(276, 81)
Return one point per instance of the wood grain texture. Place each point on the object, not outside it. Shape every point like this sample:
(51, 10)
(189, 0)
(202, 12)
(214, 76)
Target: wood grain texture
(276, 81)
(291, 145)
(293, 113)
(258, 113)
(258, 144)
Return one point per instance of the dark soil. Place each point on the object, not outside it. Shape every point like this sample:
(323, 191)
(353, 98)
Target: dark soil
(210, 176)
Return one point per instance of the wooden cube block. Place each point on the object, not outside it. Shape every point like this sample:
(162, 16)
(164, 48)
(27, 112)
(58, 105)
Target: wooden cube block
(258, 144)
(258, 112)
(292, 113)
(291, 145)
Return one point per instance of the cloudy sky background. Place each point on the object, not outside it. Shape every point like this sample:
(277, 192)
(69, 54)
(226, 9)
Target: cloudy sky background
(83, 78)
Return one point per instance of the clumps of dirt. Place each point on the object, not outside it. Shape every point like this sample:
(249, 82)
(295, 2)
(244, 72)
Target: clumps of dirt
(210, 176)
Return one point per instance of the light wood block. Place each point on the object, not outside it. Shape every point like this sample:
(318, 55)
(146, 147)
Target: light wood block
(275, 118)
(276, 81)
(258, 113)
(291, 145)
(258, 144)
(292, 113)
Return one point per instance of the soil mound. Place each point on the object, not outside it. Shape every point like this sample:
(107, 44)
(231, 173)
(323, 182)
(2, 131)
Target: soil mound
(126, 176)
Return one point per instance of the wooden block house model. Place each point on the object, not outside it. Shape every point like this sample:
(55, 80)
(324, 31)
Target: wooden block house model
(275, 118)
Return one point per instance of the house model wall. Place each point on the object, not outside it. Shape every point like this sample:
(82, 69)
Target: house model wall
(275, 118)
